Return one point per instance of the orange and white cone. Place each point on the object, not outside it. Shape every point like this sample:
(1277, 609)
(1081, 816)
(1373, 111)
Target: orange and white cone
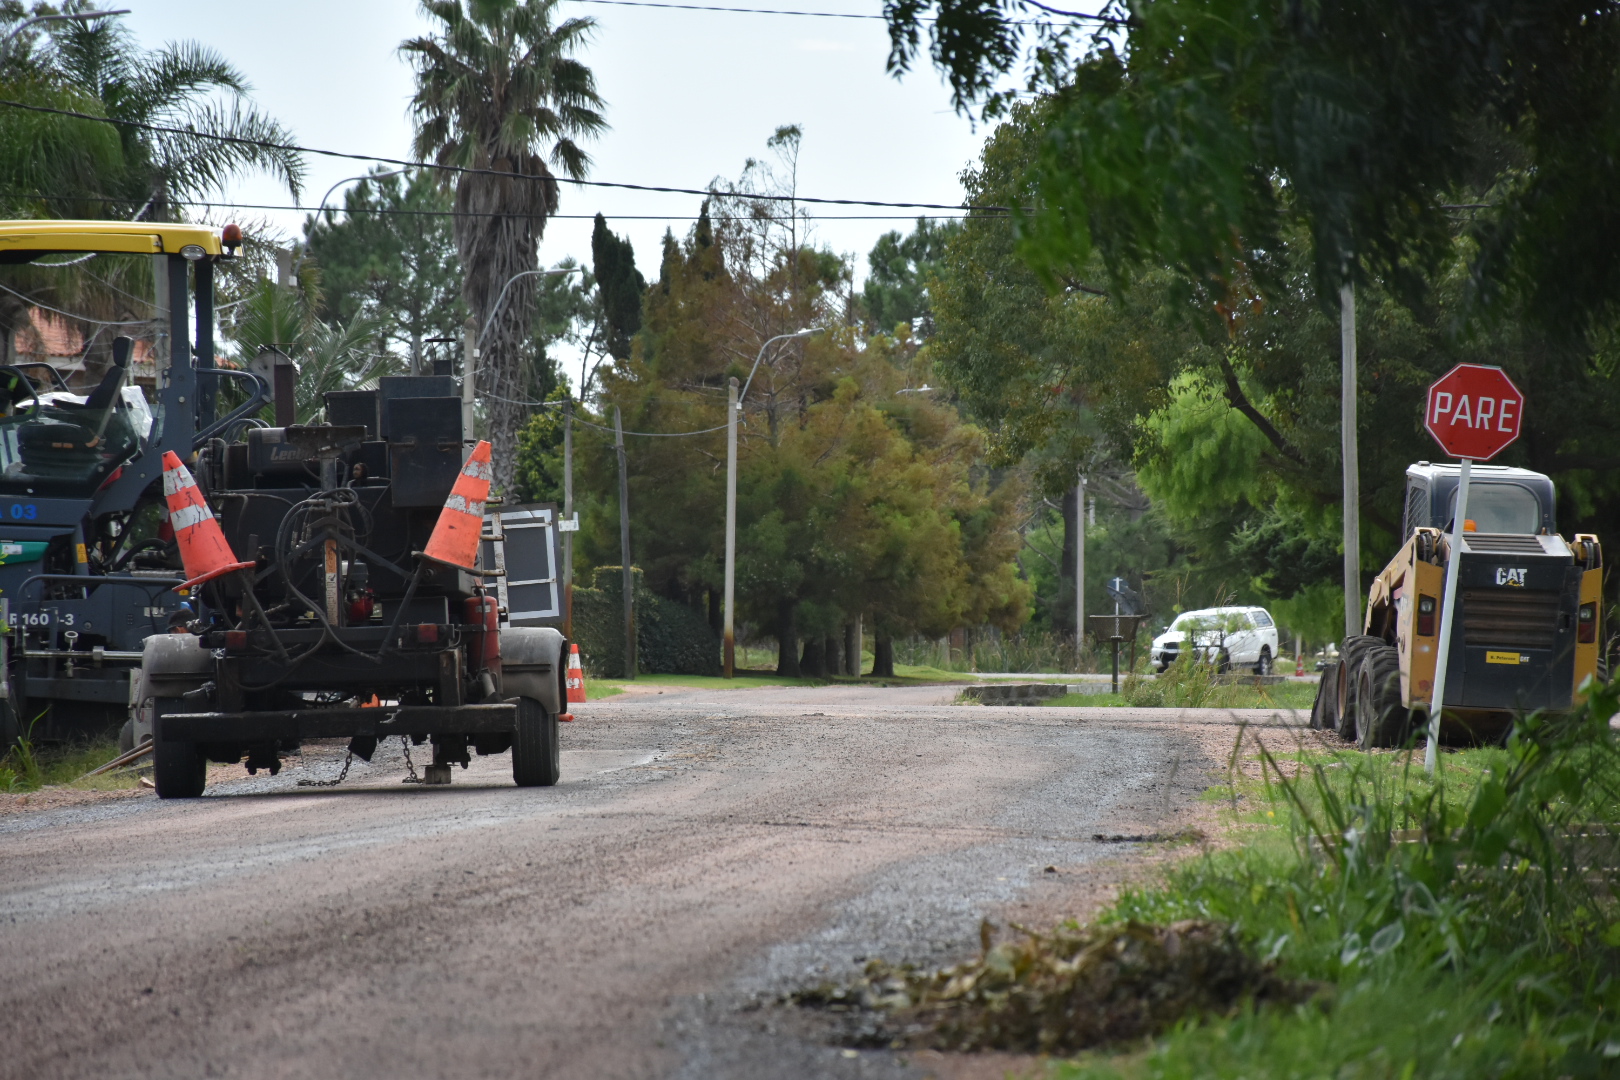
(576, 677)
(204, 551)
(460, 527)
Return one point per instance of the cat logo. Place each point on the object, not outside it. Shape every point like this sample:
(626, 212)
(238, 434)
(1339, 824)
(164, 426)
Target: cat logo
(1509, 575)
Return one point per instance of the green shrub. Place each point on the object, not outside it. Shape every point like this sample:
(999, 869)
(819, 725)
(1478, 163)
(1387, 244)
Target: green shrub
(671, 638)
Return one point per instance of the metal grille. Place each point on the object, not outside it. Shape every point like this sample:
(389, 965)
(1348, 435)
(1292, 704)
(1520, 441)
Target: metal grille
(1509, 618)
(1503, 544)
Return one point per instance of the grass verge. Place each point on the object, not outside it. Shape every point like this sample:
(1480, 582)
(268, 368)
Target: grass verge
(744, 679)
(28, 768)
(1465, 928)
(1276, 696)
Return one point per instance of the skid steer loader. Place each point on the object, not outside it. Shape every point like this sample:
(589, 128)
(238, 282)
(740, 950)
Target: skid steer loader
(1527, 634)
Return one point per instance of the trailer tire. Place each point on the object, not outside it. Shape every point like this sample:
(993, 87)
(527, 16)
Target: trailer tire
(1381, 720)
(1349, 683)
(179, 769)
(1325, 709)
(536, 745)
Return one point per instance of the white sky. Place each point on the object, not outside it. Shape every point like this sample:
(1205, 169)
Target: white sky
(691, 95)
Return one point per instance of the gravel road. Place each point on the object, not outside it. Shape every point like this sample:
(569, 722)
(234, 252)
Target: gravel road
(705, 852)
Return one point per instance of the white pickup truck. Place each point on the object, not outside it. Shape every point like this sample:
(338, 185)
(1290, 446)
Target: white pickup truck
(1226, 636)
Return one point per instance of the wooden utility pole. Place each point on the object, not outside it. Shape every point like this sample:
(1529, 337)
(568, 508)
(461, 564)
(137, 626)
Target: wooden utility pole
(469, 377)
(568, 516)
(624, 548)
(1079, 567)
(729, 649)
(1352, 468)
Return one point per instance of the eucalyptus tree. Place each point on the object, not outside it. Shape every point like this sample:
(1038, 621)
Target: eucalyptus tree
(500, 94)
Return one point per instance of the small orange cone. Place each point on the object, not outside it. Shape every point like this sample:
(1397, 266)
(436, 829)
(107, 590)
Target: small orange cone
(204, 551)
(576, 677)
(460, 527)
(1299, 665)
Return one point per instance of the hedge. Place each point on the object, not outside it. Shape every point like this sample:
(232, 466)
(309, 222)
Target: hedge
(671, 638)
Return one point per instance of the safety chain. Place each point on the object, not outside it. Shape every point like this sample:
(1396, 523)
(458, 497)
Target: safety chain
(331, 783)
(405, 741)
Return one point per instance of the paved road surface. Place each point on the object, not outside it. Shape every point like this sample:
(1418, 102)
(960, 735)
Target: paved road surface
(705, 852)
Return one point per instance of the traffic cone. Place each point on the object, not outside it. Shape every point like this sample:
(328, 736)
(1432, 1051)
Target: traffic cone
(576, 677)
(204, 551)
(1299, 664)
(460, 527)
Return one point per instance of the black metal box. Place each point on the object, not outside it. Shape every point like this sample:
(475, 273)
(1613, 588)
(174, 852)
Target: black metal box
(424, 448)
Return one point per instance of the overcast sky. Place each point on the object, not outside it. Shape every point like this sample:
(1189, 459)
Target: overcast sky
(690, 96)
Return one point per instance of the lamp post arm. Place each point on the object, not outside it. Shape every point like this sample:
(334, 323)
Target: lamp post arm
(761, 356)
(82, 16)
(501, 296)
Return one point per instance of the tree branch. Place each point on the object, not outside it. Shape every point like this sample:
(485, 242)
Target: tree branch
(1236, 398)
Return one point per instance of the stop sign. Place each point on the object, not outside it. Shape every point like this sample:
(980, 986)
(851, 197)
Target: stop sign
(1474, 411)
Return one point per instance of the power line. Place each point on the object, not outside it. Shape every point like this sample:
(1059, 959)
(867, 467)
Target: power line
(457, 213)
(1080, 15)
(262, 144)
(581, 420)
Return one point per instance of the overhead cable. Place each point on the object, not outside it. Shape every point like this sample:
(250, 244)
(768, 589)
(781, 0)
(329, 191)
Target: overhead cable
(385, 211)
(1080, 15)
(463, 170)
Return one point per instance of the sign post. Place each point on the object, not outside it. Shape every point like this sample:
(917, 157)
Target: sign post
(1473, 412)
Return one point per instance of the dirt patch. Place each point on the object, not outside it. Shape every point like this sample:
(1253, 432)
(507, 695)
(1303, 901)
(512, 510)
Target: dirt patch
(56, 798)
(1059, 992)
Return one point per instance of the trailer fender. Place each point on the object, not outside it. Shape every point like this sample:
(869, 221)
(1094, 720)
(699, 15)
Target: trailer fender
(532, 665)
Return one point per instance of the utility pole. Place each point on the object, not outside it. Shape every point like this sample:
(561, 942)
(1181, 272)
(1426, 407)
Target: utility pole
(568, 516)
(1079, 567)
(624, 549)
(730, 647)
(469, 376)
(1352, 468)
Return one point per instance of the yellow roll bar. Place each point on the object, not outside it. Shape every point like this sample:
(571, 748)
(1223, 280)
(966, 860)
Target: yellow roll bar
(134, 237)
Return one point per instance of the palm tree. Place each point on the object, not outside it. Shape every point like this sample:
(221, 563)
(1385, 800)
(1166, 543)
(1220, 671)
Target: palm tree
(53, 166)
(182, 85)
(498, 90)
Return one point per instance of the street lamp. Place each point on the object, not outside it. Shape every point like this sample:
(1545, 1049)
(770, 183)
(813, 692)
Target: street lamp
(469, 365)
(733, 406)
(82, 16)
(322, 206)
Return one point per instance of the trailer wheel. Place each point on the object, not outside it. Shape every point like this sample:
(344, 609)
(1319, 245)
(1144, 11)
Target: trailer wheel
(1349, 682)
(536, 749)
(1381, 720)
(179, 770)
(1325, 709)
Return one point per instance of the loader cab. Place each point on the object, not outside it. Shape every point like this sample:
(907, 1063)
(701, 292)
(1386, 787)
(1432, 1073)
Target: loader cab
(1501, 499)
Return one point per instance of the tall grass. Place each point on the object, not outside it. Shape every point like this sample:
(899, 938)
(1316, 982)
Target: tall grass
(1470, 927)
(1033, 652)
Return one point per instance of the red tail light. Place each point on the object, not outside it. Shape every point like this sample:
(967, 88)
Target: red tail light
(1425, 616)
(1586, 624)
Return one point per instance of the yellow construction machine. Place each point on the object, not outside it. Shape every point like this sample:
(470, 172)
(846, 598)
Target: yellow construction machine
(1528, 631)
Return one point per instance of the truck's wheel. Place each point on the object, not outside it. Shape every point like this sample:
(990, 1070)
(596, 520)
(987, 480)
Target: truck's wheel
(179, 770)
(1325, 709)
(1381, 720)
(1349, 682)
(1264, 666)
(536, 746)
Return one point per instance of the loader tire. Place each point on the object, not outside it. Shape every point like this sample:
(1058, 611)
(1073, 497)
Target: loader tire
(1325, 709)
(536, 746)
(179, 769)
(1349, 683)
(1381, 720)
